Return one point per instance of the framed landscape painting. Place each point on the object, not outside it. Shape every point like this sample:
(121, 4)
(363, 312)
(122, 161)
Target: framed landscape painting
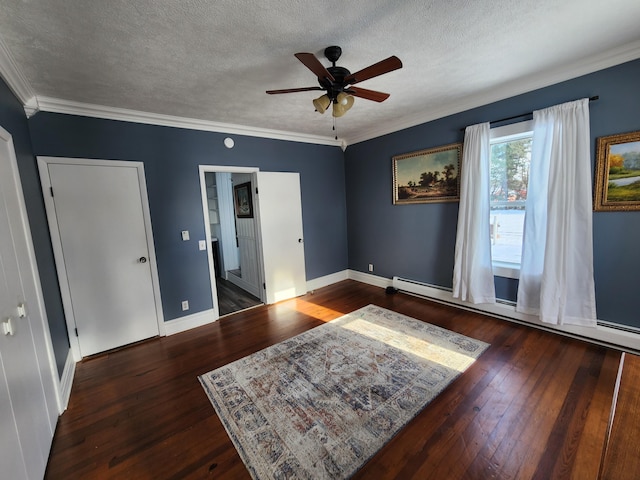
(618, 172)
(427, 176)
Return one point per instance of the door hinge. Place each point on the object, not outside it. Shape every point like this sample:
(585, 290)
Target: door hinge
(76, 331)
(256, 190)
(51, 190)
(264, 286)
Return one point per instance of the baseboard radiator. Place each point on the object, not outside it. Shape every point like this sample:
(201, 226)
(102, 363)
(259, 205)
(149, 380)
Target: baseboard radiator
(606, 333)
(419, 288)
(435, 292)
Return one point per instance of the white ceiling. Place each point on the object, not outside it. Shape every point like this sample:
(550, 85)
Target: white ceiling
(213, 60)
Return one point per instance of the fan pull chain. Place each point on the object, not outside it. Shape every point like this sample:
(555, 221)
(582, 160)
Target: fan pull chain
(334, 127)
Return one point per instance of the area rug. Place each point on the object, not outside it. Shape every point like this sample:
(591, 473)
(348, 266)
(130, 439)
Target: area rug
(320, 404)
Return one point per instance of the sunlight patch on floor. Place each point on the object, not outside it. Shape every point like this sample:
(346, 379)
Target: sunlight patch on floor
(319, 312)
(410, 344)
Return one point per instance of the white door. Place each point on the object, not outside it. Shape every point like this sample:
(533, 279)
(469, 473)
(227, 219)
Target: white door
(282, 240)
(100, 221)
(28, 403)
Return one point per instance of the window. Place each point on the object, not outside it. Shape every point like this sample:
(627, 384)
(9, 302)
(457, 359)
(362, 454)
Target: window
(509, 178)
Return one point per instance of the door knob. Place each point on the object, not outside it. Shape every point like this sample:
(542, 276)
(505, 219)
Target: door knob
(143, 260)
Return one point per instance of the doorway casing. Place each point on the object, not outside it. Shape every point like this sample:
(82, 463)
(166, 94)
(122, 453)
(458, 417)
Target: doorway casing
(203, 169)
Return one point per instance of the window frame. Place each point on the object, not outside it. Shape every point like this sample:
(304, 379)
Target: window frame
(503, 134)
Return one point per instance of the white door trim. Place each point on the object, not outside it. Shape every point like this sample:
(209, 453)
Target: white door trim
(207, 227)
(43, 167)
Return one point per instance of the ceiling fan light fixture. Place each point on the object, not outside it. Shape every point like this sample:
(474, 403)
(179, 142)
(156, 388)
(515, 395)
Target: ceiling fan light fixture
(342, 104)
(345, 100)
(322, 103)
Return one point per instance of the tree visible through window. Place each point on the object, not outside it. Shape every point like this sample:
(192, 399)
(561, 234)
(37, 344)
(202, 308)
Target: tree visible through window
(509, 177)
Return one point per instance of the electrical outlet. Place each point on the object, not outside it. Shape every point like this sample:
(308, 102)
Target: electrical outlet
(371, 267)
(202, 244)
(185, 305)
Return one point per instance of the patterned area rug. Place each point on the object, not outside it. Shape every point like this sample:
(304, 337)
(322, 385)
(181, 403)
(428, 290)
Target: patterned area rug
(320, 404)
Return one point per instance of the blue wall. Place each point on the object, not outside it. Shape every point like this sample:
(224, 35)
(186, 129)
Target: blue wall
(348, 216)
(171, 157)
(418, 241)
(14, 120)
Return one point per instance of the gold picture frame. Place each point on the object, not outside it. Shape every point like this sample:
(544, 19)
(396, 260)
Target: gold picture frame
(427, 176)
(617, 182)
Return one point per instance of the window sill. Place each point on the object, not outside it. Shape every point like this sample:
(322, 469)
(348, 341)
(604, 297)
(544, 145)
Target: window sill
(506, 270)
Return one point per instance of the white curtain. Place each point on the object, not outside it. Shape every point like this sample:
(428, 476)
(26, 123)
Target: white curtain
(556, 275)
(472, 272)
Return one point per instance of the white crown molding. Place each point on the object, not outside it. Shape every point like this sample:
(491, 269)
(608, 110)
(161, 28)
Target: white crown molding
(17, 82)
(56, 105)
(20, 86)
(31, 107)
(562, 73)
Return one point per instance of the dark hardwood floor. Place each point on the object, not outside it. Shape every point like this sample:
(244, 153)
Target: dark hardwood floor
(535, 405)
(232, 298)
(622, 459)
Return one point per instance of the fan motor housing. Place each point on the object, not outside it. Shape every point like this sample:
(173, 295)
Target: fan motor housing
(337, 86)
(333, 53)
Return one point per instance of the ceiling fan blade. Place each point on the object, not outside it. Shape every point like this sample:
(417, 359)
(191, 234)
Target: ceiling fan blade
(368, 94)
(292, 90)
(384, 66)
(312, 63)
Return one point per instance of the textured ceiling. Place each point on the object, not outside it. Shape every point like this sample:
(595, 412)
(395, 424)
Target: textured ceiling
(213, 60)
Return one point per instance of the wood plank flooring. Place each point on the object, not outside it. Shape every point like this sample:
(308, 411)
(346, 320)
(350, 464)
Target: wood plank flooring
(232, 298)
(535, 405)
(622, 458)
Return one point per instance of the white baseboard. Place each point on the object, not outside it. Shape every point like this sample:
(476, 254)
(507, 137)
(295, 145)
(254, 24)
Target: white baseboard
(602, 334)
(327, 280)
(66, 382)
(375, 280)
(182, 324)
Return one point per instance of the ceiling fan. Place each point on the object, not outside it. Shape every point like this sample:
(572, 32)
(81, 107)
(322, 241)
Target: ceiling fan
(338, 81)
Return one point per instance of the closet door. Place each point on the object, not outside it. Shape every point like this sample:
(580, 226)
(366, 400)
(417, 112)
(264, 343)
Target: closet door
(10, 450)
(27, 392)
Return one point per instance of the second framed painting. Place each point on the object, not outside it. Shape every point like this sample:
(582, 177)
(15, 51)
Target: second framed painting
(618, 173)
(427, 176)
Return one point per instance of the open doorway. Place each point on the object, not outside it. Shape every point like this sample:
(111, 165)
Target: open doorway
(235, 271)
(267, 238)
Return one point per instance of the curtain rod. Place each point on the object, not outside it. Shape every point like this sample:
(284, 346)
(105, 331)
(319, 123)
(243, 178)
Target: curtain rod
(591, 99)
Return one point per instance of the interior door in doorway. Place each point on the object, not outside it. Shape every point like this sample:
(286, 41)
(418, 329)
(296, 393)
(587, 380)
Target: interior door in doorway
(102, 233)
(281, 235)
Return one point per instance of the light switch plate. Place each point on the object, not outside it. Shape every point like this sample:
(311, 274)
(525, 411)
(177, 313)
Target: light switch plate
(185, 235)
(202, 244)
